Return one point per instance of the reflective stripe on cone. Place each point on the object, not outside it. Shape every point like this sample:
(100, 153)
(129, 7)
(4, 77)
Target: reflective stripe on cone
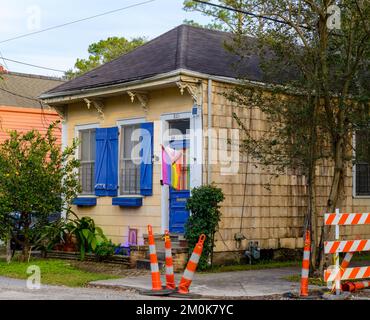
(191, 267)
(156, 276)
(306, 264)
(170, 277)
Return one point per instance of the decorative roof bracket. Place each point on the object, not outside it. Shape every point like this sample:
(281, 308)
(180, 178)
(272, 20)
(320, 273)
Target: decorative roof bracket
(142, 98)
(194, 89)
(61, 111)
(97, 104)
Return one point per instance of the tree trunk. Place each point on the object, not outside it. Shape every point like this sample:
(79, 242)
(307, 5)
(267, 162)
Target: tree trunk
(313, 221)
(8, 250)
(312, 214)
(26, 232)
(335, 190)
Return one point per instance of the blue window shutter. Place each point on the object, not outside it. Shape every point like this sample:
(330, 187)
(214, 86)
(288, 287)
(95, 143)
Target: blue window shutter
(106, 165)
(100, 162)
(146, 169)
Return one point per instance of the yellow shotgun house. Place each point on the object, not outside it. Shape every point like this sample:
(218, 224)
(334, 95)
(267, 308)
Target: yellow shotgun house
(170, 92)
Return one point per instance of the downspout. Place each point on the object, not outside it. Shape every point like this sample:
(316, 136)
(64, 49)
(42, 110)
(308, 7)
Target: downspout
(64, 146)
(209, 109)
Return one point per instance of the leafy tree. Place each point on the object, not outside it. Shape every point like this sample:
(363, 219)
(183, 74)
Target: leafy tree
(102, 52)
(211, 26)
(37, 179)
(222, 19)
(317, 93)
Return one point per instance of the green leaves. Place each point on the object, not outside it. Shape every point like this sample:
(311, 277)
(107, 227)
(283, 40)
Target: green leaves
(89, 236)
(204, 206)
(222, 19)
(36, 178)
(104, 51)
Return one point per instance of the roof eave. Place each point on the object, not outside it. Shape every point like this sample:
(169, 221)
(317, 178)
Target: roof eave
(75, 95)
(155, 81)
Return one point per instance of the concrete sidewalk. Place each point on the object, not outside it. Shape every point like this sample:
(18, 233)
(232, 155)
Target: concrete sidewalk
(238, 284)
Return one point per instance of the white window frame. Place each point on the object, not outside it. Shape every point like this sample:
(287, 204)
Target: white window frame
(79, 128)
(196, 156)
(120, 124)
(354, 193)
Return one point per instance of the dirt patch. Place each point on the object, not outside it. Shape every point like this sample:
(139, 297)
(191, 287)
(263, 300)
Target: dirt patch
(362, 294)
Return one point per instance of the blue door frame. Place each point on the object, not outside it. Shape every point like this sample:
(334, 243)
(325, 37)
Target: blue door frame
(177, 202)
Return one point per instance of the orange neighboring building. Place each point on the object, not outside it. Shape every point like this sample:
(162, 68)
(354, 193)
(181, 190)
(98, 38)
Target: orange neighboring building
(20, 108)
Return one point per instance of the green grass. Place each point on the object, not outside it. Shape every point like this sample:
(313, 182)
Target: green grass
(258, 266)
(361, 256)
(313, 281)
(54, 272)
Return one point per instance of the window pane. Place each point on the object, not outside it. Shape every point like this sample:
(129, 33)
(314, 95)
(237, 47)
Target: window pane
(130, 140)
(179, 127)
(87, 158)
(85, 145)
(363, 163)
(87, 177)
(129, 171)
(93, 145)
(130, 177)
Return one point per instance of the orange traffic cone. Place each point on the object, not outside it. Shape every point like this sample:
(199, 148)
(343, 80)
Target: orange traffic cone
(188, 276)
(306, 265)
(156, 275)
(170, 277)
(355, 286)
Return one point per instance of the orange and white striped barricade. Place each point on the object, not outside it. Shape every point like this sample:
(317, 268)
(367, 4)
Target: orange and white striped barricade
(187, 278)
(170, 276)
(346, 260)
(157, 289)
(306, 265)
(343, 272)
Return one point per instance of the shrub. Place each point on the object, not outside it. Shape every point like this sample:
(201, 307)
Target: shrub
(105, 250)
(87, 233)
(37, 180)
(204, 219)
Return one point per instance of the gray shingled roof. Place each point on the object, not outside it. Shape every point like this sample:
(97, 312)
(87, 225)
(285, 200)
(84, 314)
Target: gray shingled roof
(185, 47)
(22, 90)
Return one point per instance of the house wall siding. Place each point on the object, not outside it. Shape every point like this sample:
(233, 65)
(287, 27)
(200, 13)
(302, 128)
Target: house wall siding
(114, 220)
(26, 119)
(274, 207)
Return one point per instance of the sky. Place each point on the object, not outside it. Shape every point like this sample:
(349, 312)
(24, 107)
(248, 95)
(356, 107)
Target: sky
(59, 48)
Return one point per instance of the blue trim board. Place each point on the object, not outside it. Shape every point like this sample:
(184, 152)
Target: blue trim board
(85, 202)
(127, 202)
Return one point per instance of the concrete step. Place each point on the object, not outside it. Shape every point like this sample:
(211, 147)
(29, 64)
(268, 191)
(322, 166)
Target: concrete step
(145, 264)
(174, 244)
(175, 238)
(161, 254)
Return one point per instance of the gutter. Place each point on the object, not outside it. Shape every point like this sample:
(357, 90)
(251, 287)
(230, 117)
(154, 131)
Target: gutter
(209, 111)
(165, 78)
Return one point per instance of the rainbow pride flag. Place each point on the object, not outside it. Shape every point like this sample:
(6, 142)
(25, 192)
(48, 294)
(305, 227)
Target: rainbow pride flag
(166, 167)
(172, 163)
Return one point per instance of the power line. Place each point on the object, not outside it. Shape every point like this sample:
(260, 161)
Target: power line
(31, 65)
(43, 117)
(2, 57)
(248, 13)
(76, 21)
(19, 95)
